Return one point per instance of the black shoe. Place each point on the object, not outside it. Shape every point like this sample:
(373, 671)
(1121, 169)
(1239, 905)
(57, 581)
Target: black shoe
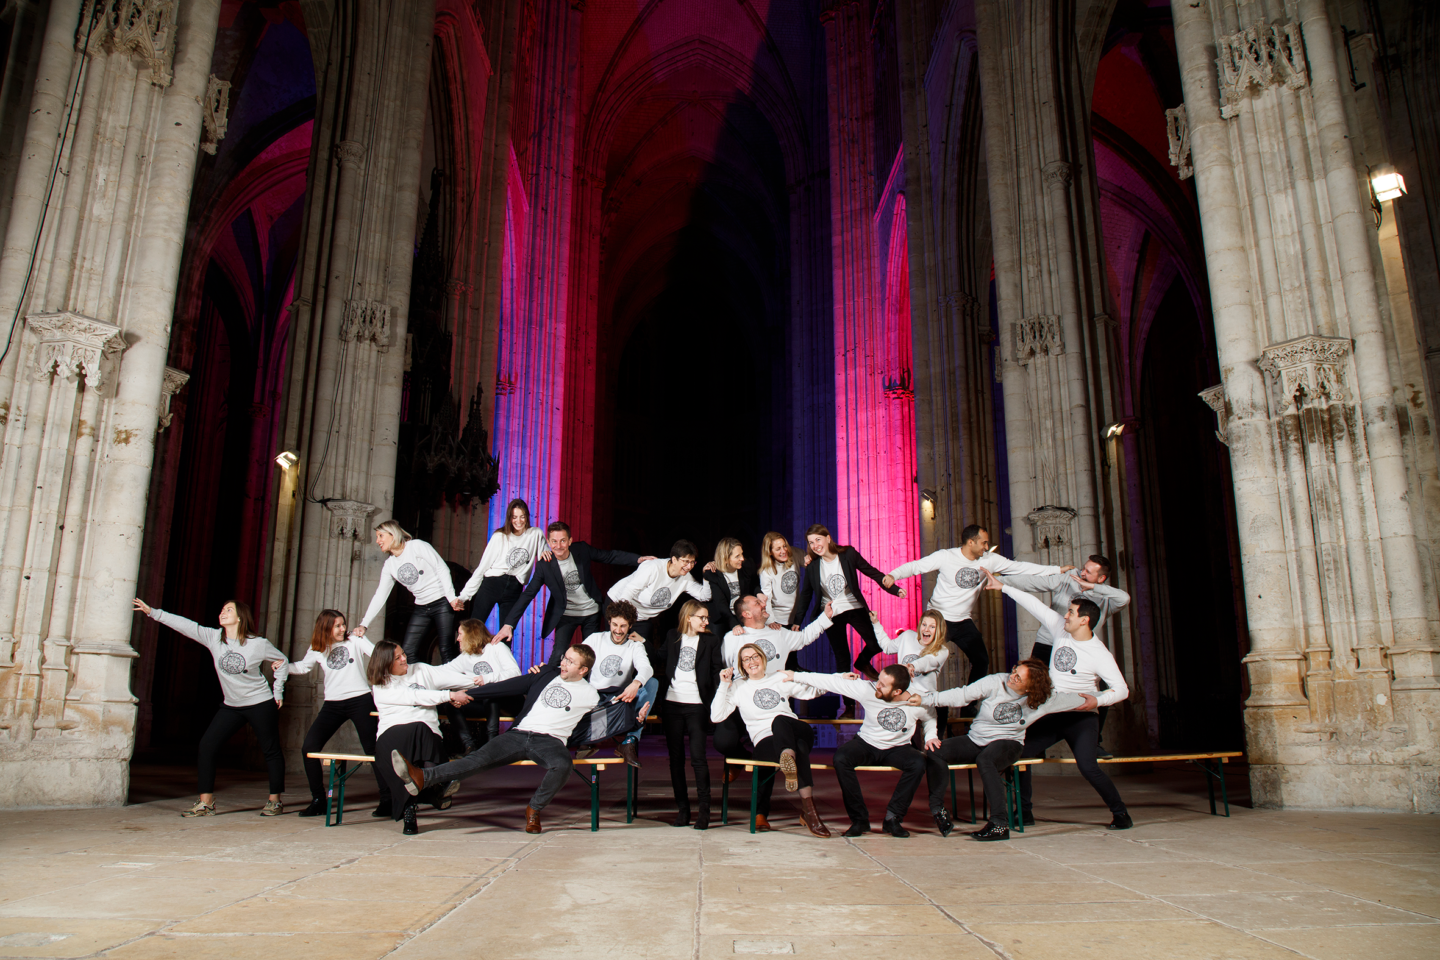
(857, 830)
(893, 827)
(1101, 753)
(992, 831)
(702, 817)
(682, 819)
(943, 821)
(316, 808)
(383, 811)
(412, 822)
(1122, 821)
(1027, 819)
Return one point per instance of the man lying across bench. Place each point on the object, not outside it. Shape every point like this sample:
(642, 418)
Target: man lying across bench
(557, 700)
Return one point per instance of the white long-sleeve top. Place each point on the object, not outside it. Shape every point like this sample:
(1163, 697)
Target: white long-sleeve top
(887, 724)
(781, 588)
(343, 667)
(1002, 713)
(412, 698)
(759, 702)
(507, 555)
(909, 650)
(616, 664)
(653, 590)
(1063, 592)
(960, 579)
(778, 643)
(423, 572)
(1075, 664)
(492, 664)
(561, 705)
(237, 663)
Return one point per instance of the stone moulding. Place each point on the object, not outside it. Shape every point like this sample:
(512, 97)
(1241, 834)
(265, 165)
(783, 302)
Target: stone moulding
(144, 29)
(173, 381)
(1177, 131)
(1216, 400)
(71, 344)
(366, 321)
(1051, 525)
(216, 118)
(1258, 57)
(1037, 336)
(1307, 371)
(350, 519)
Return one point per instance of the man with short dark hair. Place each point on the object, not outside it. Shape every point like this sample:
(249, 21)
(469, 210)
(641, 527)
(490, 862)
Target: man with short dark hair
(656, 584)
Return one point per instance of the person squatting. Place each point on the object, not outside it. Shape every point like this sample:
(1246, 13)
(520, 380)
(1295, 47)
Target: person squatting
(727, 670)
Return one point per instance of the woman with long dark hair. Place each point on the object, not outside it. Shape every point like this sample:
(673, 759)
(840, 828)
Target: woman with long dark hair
(248, 697)
(425, 574)
(505, 566)
(691, 669)
(342, 661)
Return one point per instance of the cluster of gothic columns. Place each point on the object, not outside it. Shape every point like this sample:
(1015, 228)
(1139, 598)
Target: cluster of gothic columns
(1328, 437)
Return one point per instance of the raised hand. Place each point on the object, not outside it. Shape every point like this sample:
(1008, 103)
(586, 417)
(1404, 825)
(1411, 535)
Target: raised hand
(142, 606)
(992, 582)
(1067, 568)
(727, 674)
(358, 631)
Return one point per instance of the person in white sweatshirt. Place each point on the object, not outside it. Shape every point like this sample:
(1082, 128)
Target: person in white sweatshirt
(406, 695)
(248, 697)
(505, 566)
(624, 673)
(960, 573)
(424, 573)
(762, 702)
(342, 662)
(657, 584)
(1079, 660)
(779, 576)
(485, 658)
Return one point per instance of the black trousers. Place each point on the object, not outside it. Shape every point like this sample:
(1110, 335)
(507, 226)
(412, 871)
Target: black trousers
(785, 734)
(993, 759)
(859, 620)
(500, 591)
(684, 720)
(548, 753)
(564, 634)
(1080, 729)
(439, 615)
(966, 636)
(730, 737)
(332, 716)
(858, 753)
(1041, 652)
(264, 719)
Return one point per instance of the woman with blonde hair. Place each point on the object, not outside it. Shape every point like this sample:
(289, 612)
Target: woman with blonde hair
(729, 581)
(779, 576)
(505, 566)
(425, 574)
(690, 671)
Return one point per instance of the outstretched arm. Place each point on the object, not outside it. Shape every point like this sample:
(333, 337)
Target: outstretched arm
(868, 568)
(377, 602)
(1032, 605)
(834, 683)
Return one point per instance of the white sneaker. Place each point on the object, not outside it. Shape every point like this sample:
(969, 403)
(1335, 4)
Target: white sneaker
(199, 810)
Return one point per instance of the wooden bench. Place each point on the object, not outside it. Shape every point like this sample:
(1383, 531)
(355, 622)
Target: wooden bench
(335, 796)
(1201, 760)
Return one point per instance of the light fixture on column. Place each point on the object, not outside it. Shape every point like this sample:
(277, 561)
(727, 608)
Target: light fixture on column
(285, 460)
(1385, 184)
(927, 504)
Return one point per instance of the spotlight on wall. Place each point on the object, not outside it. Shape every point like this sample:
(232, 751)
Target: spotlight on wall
(1114, 430)
(1385, 184)
(927, 504)
(285, 460)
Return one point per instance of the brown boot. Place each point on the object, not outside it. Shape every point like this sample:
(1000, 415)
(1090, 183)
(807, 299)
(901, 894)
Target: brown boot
(410, 775)
(532, 820)
(812, 817)
(761, 824)
(629, 751)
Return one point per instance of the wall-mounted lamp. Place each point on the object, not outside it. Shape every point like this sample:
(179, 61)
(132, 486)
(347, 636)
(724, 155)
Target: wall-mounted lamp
(927, 504)
(1114, 430)
(286, 460)
(1385, 184)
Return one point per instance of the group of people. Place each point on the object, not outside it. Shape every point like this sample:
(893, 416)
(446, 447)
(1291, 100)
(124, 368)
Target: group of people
(727, 671)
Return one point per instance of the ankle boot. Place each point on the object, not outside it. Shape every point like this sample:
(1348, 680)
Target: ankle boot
(811, 816)
(412, 822)
(702, 815)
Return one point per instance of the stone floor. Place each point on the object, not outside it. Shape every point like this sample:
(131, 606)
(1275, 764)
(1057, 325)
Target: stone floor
(141, 882)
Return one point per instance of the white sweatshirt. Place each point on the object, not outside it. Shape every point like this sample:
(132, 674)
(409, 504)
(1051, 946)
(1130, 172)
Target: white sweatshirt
(492, 664)
(420, 569)
(1065, 591)
(653, 590)
(343, 667)
(887, 724)
(778, 644)
(1002, 714)
(759, 702)
(616, 664)
(506, 555)
(559, 708)
(1075, 664)
(907, 648)
(780, 587)
(414, 697)
(961, 579)
(834, 588)
(236, 664)
(684, 688)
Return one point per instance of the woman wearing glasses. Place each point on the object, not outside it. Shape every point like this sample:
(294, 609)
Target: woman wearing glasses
(690, 672)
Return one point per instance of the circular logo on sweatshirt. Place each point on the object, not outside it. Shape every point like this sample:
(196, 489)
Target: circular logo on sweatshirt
(232, 663)
(1008, 712)
(572, 579)
(968, 578)
(767, 699)
(517, 559)
(687, 659)
(611, 666)
(768, 647)
(660, 599)
(407, 574)
(483, 669)
(734, 587)
(337, 657)
(836, 585)
(557, 697)
(910, 658)
(891, 718)
(789, 581)
(1064, 658)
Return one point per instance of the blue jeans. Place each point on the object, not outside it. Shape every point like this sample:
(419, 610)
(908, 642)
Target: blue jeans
(646, 697)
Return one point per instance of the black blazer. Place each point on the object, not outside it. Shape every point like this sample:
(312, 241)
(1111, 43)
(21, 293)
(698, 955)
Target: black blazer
(850, 562)
(547, 574)
(721, 605)
(708, 664)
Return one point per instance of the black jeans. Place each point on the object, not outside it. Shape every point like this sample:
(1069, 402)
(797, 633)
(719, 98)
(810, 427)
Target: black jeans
(859, 621)
(1080, 729)
(547, 752)
(564, 634)
(264, 719)
(858, 753)
(730, 737)
(1041, 652)
(966, 636)
(332, 716)
(500, 591)
(785, 734)
(993, 759)
(438, 614)
(687, 720)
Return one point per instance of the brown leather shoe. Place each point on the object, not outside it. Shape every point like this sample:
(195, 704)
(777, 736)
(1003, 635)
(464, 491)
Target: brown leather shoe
(532, 820)
(629, 751)
(812, 817)
(410, 775)
(761, 824)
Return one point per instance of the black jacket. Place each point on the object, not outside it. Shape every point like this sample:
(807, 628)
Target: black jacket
(721, 605)
(850, 562)
(547, 574)
(708, 664)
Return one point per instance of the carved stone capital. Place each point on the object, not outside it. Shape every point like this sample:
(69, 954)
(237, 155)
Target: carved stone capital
(1216, 400)
(1177, 131)
(456, 287)
(1258, 57)
(70, 344)
(366, 321)
(216, 116)
(350, 153)
(144, 29)
(169, 386)
(1057, 174)
(1036, 337)
(350, 519)
(1051, 526)
(1308, 371)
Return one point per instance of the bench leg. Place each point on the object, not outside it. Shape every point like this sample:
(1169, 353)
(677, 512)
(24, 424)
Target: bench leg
(630, 791)
(1012, 801)
(345, 772)
(970, 776)
(754, 795)
(594, 799)
(330, 794)
(954, 798)
(1224, 797)
(1209, 786)
(724, 795)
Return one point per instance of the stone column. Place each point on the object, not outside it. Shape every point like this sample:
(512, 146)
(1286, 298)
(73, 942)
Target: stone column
(1333, 582)
(91, 257)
